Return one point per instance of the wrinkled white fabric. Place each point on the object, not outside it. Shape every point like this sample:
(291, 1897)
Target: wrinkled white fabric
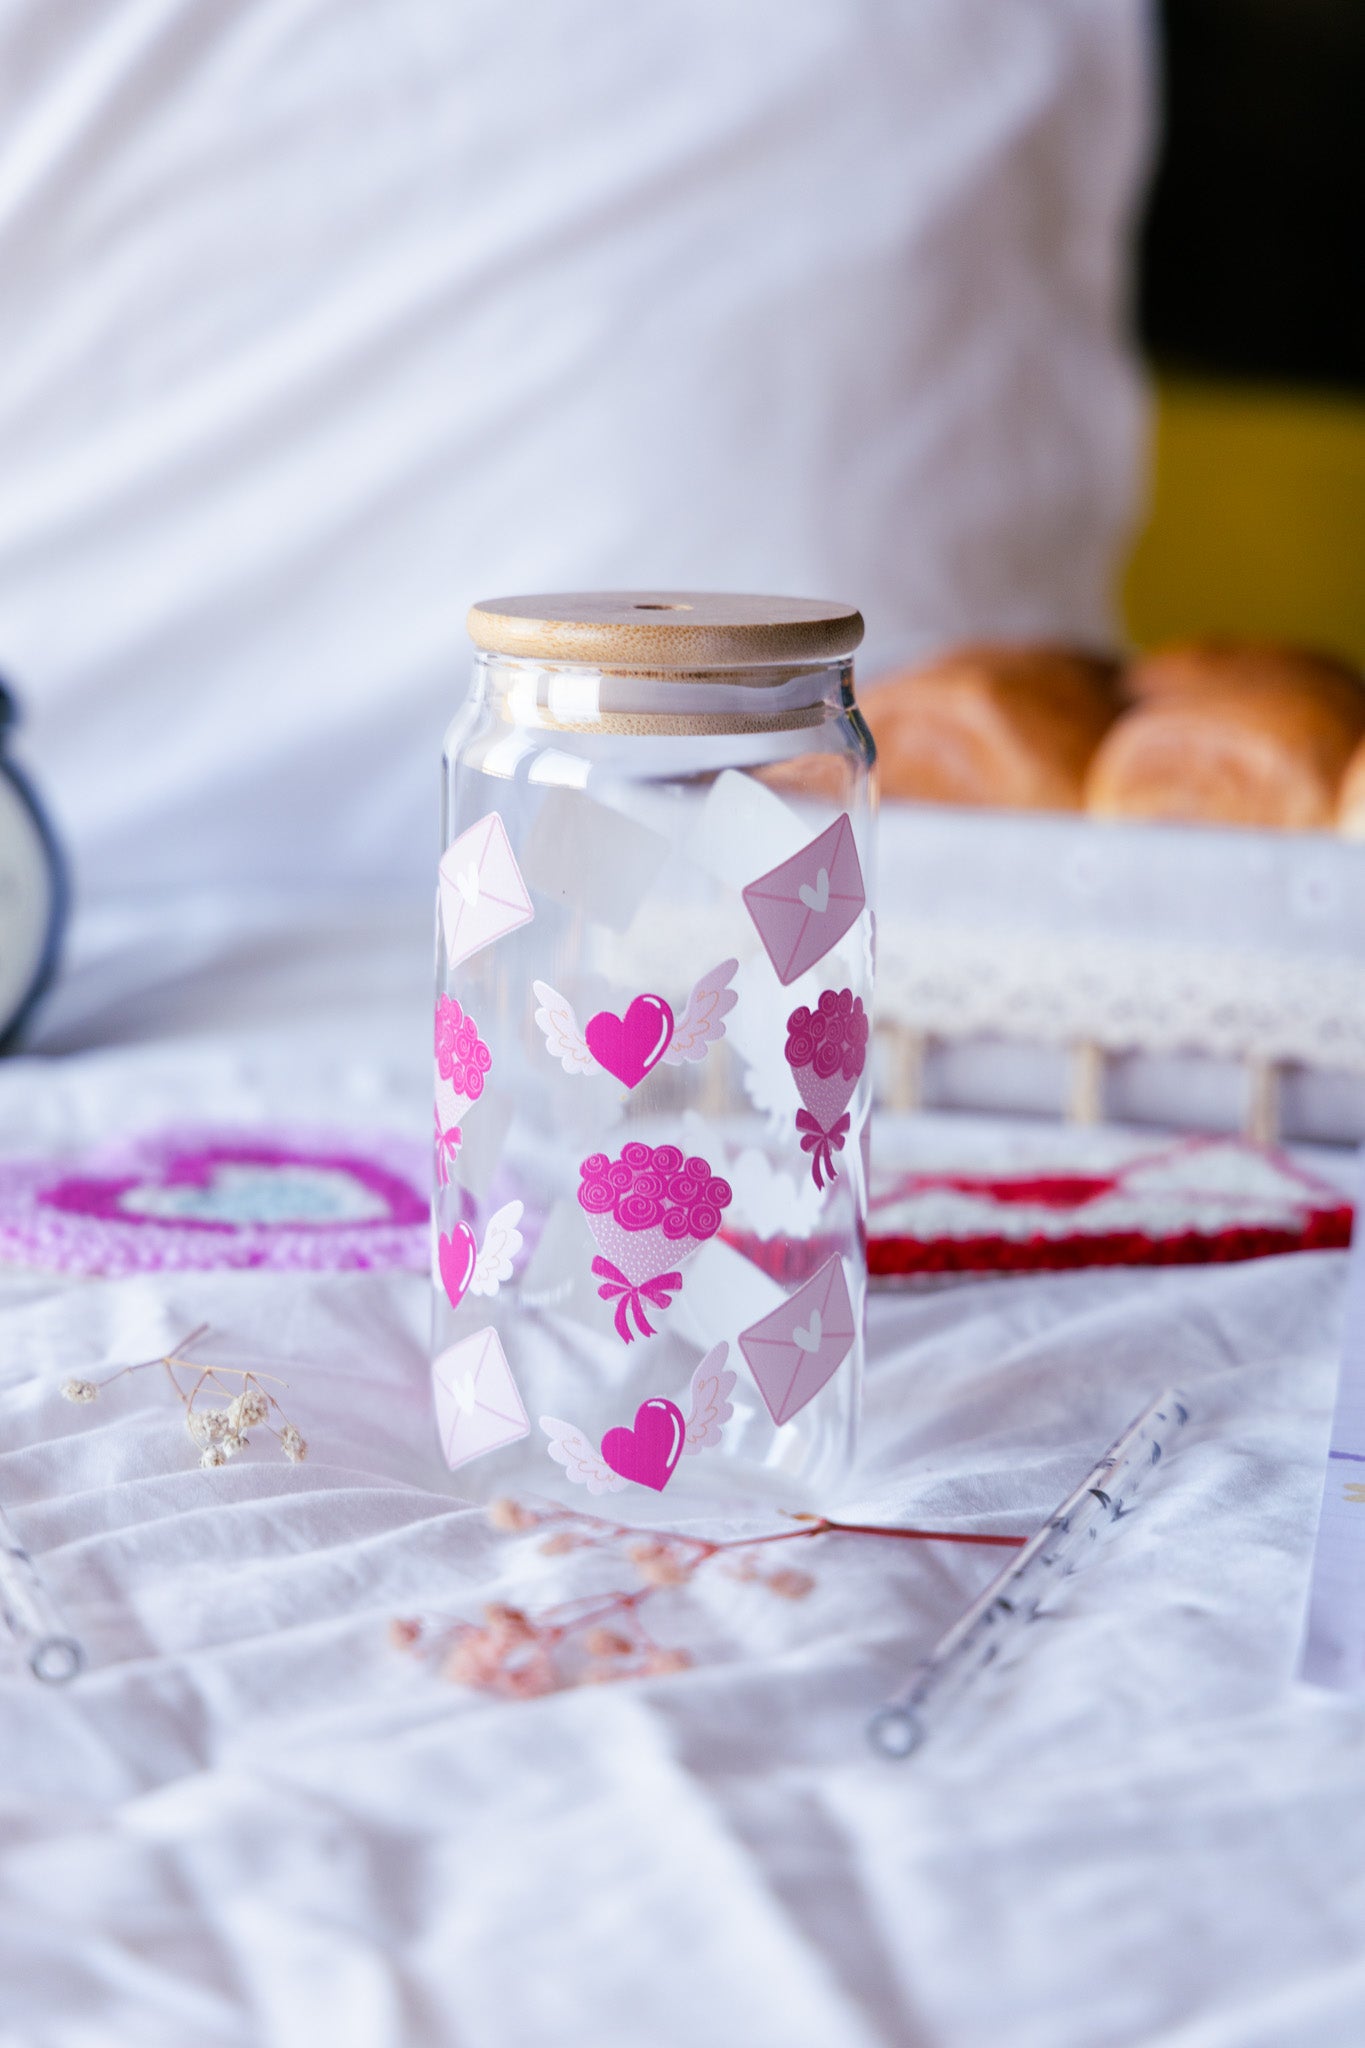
(254, 1825)
(322, 320)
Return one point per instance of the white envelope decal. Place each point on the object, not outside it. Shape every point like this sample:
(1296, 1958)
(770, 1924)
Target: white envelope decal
(482, 892)
(478, 1407)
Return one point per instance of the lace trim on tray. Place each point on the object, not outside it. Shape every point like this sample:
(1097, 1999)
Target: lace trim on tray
(948, 981)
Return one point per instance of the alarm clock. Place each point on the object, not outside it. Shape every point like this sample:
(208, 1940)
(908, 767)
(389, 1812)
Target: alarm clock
(33, 892)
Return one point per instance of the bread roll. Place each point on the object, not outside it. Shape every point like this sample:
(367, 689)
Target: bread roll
(1189, 667)
(1229, 733)
(1351, 802)
(1005, 725)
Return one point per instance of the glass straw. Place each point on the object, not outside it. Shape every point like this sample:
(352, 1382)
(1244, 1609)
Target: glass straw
(51, 1652)
(1015, 1595)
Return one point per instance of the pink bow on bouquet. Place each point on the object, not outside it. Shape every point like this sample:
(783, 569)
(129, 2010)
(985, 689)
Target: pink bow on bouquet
(658, 1291)
(447, 1147)
(821, 1144)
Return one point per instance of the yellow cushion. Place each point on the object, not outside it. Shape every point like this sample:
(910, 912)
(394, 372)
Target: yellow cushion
(1256, 517)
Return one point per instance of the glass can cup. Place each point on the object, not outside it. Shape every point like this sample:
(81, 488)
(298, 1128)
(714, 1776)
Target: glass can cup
(652, 1054)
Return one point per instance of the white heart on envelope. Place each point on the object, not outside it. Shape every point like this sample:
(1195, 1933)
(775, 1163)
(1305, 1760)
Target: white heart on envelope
(462, 1392)
(816, 898)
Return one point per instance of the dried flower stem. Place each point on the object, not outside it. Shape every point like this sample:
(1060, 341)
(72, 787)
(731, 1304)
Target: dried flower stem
(599, 1637)
(821, 1525)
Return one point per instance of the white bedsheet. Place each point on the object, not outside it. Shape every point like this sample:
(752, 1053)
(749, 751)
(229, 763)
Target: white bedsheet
(253, 1822)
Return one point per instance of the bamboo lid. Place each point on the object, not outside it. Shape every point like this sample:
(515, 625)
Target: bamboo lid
(666, 629)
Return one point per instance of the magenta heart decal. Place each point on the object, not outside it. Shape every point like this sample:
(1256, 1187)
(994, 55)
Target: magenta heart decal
(648, 1453)
(456, 1255)
(631, 1046)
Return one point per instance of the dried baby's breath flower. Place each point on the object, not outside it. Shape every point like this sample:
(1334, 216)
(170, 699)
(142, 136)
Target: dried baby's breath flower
(248, 1408)
(208, 1425)
(219, 1429)
(404, 1633)
(560, 1544)
(790, 1585)
(509, 1517)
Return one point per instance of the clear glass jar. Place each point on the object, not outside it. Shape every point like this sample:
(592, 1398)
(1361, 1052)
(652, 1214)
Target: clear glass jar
(653, 1072)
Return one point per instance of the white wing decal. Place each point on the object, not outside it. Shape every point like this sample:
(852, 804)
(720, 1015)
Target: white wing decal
(563, 1039)
(700, 1026)
(711, 1405)
(570, 1448)
(501, 1243)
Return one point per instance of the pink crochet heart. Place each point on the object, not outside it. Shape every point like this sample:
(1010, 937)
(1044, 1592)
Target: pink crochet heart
(631, 1046)
(455, 1255)
(648, 1453)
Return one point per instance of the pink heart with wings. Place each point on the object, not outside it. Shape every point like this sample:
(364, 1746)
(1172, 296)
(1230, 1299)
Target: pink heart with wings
(631, 1046)
(649, 1452)
(648, 1031)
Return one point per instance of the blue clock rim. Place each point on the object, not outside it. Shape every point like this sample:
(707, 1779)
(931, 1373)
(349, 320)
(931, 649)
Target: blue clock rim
(44, 974)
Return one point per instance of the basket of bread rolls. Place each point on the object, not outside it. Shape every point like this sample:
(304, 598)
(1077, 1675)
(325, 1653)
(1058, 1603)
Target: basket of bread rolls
(1203, 732)
(1126, 887)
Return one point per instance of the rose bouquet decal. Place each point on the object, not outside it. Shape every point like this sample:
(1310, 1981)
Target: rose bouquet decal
(826, 1051)
(649, 1210)
(462, 1064)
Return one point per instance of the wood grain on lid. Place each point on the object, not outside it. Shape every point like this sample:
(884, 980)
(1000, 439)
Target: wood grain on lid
(666, 629)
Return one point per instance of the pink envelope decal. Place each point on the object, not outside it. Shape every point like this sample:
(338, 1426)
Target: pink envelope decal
(805, 906)
(478, 1407)
(793, 1351)
(482, 893)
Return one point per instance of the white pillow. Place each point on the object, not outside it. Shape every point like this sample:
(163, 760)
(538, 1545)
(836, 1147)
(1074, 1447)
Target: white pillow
(322, 321)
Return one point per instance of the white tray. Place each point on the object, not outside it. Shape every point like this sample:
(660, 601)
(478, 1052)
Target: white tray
(1189, 976)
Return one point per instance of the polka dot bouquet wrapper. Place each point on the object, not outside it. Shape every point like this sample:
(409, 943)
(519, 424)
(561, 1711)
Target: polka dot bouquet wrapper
(649, 1210)
(826, 1050)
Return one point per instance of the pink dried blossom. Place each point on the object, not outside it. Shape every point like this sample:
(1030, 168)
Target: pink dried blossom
(472, 1660)
(663, 1663)
(531, 1681)
(605, 1642)
(507, 1626)
(658, 1565)
(600, 1639)
(509, 1517)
